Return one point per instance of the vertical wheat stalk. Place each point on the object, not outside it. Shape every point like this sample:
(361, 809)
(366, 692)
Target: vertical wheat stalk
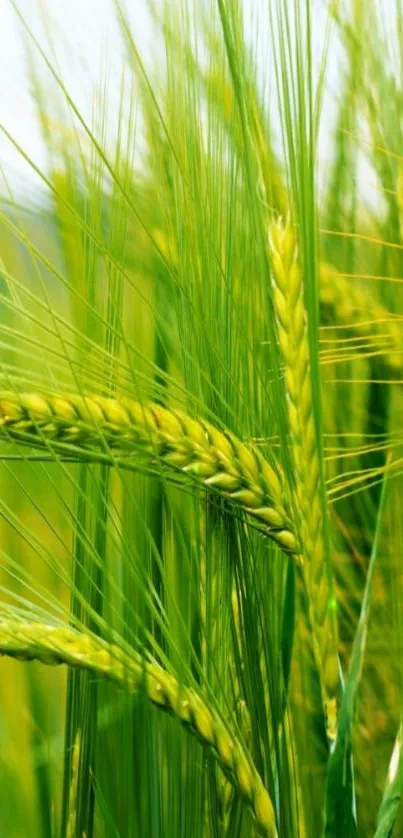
(315, 573)
(72, 802)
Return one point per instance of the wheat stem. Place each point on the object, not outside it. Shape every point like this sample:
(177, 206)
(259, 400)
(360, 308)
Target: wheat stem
(290, 314)
(63, 645)
(71, 827)
(194, 447)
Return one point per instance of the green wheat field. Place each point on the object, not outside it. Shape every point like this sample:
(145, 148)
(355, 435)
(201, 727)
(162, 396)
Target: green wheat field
(201, 430)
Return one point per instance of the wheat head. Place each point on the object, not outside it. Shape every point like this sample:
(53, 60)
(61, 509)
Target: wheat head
(291, 323)
(194, 447)
(343, 303)
(63, 645)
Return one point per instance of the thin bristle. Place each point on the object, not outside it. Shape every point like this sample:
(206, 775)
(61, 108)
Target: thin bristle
(345, 303)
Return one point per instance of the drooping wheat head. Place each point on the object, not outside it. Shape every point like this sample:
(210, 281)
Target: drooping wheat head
(226, 791)
(63, 645)
(193, 447)
(291, 322)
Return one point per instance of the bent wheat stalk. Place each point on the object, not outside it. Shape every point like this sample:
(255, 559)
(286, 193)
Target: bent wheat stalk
(194, 447)
(63, 645)
(290, 315)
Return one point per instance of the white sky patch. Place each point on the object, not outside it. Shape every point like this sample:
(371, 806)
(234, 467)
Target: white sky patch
(83, 39)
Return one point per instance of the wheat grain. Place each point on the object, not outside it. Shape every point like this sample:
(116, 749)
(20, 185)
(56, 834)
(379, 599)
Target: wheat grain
(194, 447)
(62, 645)
(290, 315)
(225, 788)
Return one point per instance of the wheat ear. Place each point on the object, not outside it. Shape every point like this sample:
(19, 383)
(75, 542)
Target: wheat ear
(352, 306)
(63, 645)
(192, 446)
(344, 303)
(290, 315)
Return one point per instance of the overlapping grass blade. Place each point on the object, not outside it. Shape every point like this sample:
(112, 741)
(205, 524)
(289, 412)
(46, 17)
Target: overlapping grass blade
(340, 798)
(390, 809)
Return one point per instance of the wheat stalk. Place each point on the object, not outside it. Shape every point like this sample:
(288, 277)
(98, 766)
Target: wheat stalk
(194, 447)
(72, 797)
(352, 306)
(63, 645)
(290, 315)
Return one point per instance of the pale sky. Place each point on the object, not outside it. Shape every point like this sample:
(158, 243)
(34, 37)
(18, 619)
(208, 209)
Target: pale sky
(87, 47)
(86, 41)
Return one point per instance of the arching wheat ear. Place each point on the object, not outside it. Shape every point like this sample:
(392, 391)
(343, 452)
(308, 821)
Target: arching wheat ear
(62, 645)
(352, 306)
(290, 315)
(194, 447)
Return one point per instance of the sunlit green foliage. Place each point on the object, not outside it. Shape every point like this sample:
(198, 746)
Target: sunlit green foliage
(140, 268)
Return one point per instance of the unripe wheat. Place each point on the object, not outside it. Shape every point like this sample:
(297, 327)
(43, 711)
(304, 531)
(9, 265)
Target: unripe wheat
(192, 446)
(290, 314)
(63, 645)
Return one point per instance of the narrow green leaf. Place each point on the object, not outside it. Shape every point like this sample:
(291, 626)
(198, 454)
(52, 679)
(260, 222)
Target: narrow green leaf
(340, 795)
(390, 806)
